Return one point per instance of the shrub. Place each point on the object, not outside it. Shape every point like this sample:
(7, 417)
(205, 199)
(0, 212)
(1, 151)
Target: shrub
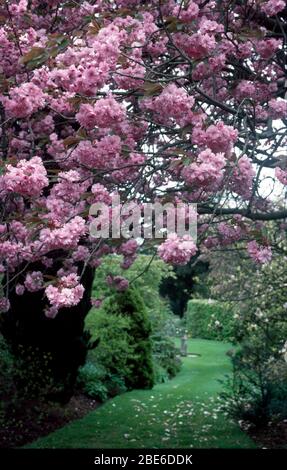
(163, 321)
(209, 319)
(113, 349)
(146, 282)
(160, 374)
(130, 305)
(114, 346)
(257, 390)
(166, 357)
(123, 329)
(91, 379)
(104, 374)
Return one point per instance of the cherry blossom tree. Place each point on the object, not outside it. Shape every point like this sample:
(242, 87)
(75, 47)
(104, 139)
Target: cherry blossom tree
(156, 100)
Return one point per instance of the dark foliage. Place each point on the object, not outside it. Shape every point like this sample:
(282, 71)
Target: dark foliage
(56, 347)
(180, 289)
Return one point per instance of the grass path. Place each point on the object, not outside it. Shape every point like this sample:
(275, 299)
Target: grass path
(181, 413)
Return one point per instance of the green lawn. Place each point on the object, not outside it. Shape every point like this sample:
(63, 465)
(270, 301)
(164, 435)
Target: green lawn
(181, 413)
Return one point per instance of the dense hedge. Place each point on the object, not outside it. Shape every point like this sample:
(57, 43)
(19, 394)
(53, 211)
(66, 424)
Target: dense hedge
(209, 319)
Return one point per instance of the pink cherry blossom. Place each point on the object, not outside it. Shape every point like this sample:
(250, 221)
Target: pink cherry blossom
(177, 251)
(278, 108)
(27, 178)
(104, 113)
(241, 177)
(206, 171)
(34, 281)
(272, 7)
(267, 47)
(24, 100)
(281, 175)
(260, 254)
(119, 283)
(19, 289)
(218, 137)
(4, 304)
(129, 248)
(96, 302)
(186, 14)
(66, 294)
(173, 102)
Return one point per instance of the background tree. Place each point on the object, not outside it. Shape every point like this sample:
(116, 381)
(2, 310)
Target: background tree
(257, 390)
(187, 282)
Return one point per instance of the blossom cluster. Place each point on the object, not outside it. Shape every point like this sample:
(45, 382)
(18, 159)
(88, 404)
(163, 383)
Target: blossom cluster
(207, 171)
(281, 175)
(218, 137)
(104, 113)
(176, 250)
(272, 7)
(27, 178)
(24, 100)
(67, 293)
(172, 103)
(260, 254)
(119, 283)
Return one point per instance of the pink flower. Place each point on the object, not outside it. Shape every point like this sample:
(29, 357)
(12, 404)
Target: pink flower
(260, 254)
(241, 177)
(207, 171)
(177, 251)
(245, 89)
(128, 261)
(100, 194)
(129, 248)
(34, 281)
(272, 7)
(120, 283)
(117, 282)
(267, 47)
(19, 8)
(187, 14)
(82, 253)
(281, 175)
(218, 137)
(67, 293)
(96, 302)
(173, 102)
(4, 305)
(278, 109)
(67, 236)
(130, 77)
(19, 289)
(104, 113)
(197, 46)
(25, 100)
(51, 312)
(27, 178)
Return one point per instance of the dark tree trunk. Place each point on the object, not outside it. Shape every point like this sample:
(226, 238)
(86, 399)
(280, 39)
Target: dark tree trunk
(62, 340)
